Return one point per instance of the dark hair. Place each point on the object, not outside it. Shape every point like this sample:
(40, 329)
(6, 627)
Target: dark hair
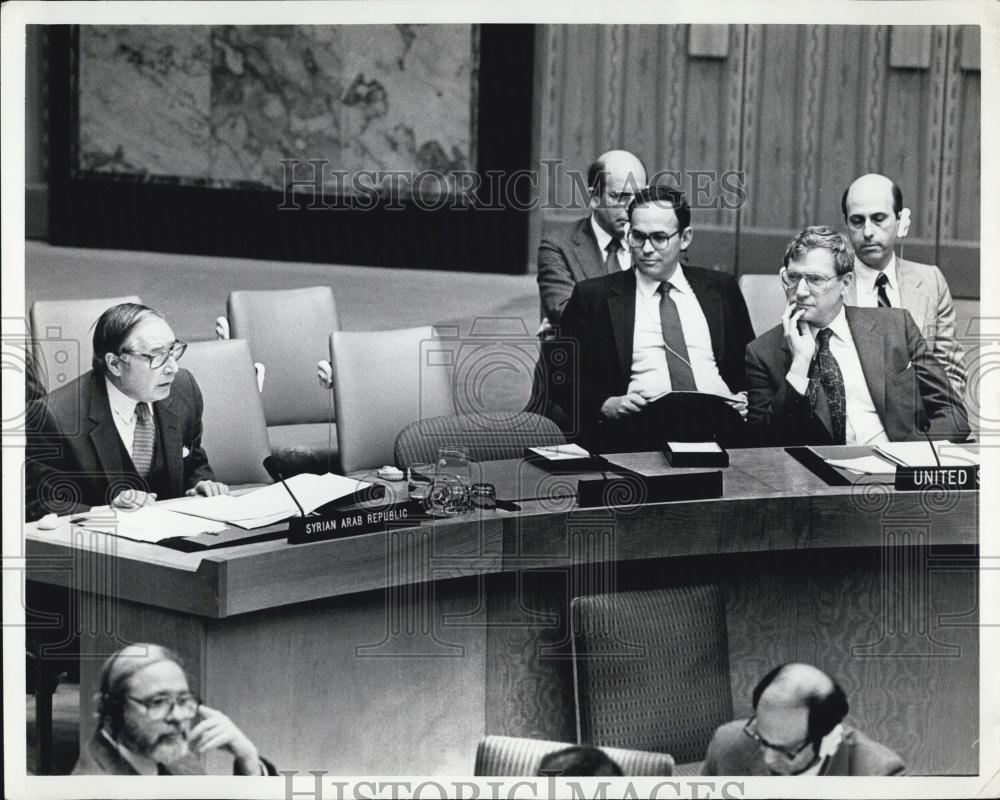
(664, 196)
(597, 175)
(897, 200)
(115, 675)
(826, 709)
(113, 328)
(821, 237)
(580, 761)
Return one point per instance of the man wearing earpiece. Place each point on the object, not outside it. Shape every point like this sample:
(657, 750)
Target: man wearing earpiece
(876, 220)
(797, 728)
(150, 723)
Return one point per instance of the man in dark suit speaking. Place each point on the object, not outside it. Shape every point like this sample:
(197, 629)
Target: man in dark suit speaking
(125, 433)
(655, 329)
(835, 374)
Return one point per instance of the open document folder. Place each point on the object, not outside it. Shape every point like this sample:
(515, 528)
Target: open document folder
(886, 457)
(272, 503)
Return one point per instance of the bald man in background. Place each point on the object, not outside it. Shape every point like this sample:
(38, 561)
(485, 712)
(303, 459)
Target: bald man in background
(797, 729)
(592, 246)
(875, 217)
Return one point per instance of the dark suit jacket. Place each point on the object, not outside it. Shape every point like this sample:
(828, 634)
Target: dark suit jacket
(565, 258)
(100, 758)
(75, 457)
(732, 753)
(907, 384)
(600, 320)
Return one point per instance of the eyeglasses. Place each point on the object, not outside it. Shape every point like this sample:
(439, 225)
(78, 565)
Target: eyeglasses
(659, 239)
(750, 731)
(816, 283)
(159, 707)
(157, 360)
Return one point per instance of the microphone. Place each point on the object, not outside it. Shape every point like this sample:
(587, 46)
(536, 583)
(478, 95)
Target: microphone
(273, 468)
(925, 430)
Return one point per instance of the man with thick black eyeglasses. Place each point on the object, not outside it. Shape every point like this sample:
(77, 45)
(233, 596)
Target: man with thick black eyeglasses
(836, 374)
(124, 434)
(797, 729)
(150, 723)
(653, 334)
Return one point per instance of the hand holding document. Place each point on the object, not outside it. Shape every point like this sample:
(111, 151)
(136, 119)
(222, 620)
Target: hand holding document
(272, 504)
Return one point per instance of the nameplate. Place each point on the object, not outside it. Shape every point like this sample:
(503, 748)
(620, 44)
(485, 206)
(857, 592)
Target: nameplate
(630, 488)
(341, 523)
(920, 479)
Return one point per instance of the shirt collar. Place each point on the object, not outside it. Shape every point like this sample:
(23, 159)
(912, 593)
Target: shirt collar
(144, 765)
(121, 404)
(603, 237)
(839, 327)
(867, 275)
(648, 287)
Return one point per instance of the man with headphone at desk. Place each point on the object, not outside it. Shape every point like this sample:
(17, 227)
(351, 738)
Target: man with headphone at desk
(151, 724)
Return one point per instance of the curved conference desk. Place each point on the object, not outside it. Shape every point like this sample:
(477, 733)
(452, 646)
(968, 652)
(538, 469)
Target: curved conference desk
(394, 652)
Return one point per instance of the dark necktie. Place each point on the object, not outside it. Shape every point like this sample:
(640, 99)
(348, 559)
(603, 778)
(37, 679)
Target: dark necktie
(142, 440)
(678, 363)
(611, 264)
(825, 372)
(880, 283)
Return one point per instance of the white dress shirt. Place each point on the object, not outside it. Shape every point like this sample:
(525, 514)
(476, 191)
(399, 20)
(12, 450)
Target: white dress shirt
(603, 237)
(650, 374)
(866, 293)
(863, 423)
(123, 413)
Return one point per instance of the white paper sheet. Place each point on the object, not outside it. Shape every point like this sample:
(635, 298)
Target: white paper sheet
(146, 524)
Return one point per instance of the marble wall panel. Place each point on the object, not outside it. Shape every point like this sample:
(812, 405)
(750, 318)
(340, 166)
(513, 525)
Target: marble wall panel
(224, 105)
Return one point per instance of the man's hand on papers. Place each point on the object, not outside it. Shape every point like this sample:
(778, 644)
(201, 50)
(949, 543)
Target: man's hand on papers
(618, 407)
(207, 489)
(131, 499)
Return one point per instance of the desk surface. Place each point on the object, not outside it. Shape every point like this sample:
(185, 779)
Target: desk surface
(770, 502)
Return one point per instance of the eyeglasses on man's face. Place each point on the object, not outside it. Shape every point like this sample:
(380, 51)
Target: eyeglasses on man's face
(815, 282)
(659, 239)
(158, 359)
(750, 731)
(159, 706)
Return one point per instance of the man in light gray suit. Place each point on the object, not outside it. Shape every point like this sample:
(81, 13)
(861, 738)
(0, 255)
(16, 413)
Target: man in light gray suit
(875, 217)
(594, 245)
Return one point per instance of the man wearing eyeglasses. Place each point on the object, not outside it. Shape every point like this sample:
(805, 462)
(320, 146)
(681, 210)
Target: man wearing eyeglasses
(594, 245)
(797, 729)
(150, 723)
(126, 433)
(656, 329)
(836, 374)
(876, 221)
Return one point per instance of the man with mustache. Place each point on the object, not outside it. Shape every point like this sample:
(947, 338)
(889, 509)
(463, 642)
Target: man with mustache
(836, 374)
(150, 723)
(125, 433)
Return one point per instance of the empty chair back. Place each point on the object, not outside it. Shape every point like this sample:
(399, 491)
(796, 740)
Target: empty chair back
(488, 435)
(287, 331)
(765, 298)
(651, 669)
(516, 757)
(234, 434)
(63, 335)
(383, 381)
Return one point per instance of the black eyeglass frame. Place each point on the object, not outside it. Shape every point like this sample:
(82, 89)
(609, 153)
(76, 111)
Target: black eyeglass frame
(644, 238)
(752, 734)
(172, 703)
(175, 351)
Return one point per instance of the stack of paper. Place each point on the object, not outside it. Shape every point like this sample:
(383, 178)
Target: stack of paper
(560, 452)
(865, 465)
(146, 524)
(273, 503)
(922, 454)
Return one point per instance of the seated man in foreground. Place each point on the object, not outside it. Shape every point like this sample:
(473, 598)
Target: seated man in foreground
(797, 729)
(151, 724)
(125, 433)
(644, 334)
(830, 374)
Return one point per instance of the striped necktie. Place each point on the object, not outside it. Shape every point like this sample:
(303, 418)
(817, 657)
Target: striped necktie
(142, 440)
(678, 362)
(880, 283)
